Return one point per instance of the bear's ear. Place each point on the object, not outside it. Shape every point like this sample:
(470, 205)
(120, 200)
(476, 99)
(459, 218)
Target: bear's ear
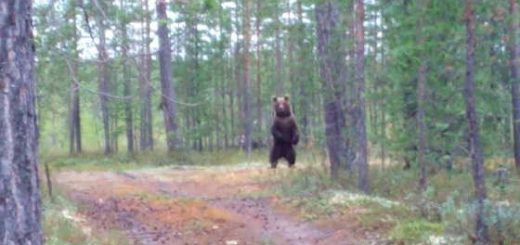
(275, 98)
(286, 98)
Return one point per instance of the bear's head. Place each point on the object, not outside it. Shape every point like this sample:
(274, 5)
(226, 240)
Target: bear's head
(281, 106)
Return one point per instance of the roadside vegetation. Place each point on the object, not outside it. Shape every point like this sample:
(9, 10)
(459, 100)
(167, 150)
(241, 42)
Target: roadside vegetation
(395, 211)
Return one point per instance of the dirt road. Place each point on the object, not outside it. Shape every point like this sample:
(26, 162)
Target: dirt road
(192, 205)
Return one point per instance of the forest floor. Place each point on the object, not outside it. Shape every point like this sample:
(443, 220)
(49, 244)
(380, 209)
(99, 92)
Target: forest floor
(227, 205)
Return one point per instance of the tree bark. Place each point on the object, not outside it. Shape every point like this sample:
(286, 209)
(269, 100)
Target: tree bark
(481, 230)
(290, 62)
(259, 117)
(421, 102)
(515, 78)
(348, 103)
(238, 72)
(304, 103)
(246, 88)
(331, 66)
(421, 126)
(194, 56)
(75, 118)
(167, 90)
(20, 202)
(145, 85)
(129, 122)
(280, 85)
(361, 151)
(103, 84)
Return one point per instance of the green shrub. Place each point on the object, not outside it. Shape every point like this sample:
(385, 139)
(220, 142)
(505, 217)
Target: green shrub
(415, 231)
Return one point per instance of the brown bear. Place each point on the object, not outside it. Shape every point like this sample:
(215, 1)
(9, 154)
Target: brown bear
(284, 131)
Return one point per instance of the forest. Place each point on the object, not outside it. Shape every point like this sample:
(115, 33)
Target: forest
(155, 122)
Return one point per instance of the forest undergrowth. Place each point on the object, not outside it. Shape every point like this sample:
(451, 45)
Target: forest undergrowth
(396, 208)
(395, 211)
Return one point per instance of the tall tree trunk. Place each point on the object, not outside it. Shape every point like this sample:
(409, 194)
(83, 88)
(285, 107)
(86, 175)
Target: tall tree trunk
(20, 202)
(361, 151)
(278, 52)
(421, 102)
(331, 65)
(114, 134)
(75, 120)
(223, 75)
(103, 84)
(259, 118)
(304, 107)
(129, 123)
(146, 125)
(421, 125)
(167, 90)
(349, 118)
(383, 135)
(195, 81)
(290, 63)
(238, 73)
(481, 231)
(515, 78)
(246, 88)
(231, 96)
(382, 64)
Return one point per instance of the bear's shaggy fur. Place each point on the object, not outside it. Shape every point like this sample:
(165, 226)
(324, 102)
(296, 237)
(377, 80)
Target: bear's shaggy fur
(284, 131)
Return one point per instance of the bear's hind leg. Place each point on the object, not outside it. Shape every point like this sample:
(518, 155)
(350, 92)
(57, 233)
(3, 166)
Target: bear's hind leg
(274, 156)
(291, 157)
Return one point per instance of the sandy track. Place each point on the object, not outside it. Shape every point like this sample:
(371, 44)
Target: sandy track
(190, 206)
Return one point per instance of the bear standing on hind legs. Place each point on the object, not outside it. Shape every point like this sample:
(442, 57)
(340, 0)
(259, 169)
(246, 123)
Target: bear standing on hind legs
(284, 131)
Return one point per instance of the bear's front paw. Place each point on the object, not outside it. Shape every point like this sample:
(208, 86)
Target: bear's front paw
(295, 140)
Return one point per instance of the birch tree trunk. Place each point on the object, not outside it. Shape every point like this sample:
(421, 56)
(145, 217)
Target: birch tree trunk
(20, 203)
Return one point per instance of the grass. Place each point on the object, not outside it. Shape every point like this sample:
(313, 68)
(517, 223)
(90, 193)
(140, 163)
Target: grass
(122, 161)
(62, 222)
(444, 210)
(415, 231)
(442, 214)
(63, 225)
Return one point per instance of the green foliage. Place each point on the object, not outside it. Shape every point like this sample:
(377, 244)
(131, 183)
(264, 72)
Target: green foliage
(415, 231)
(440, 215)
(304, 182)
(210, 5)
(206, 34)
(502, 218)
